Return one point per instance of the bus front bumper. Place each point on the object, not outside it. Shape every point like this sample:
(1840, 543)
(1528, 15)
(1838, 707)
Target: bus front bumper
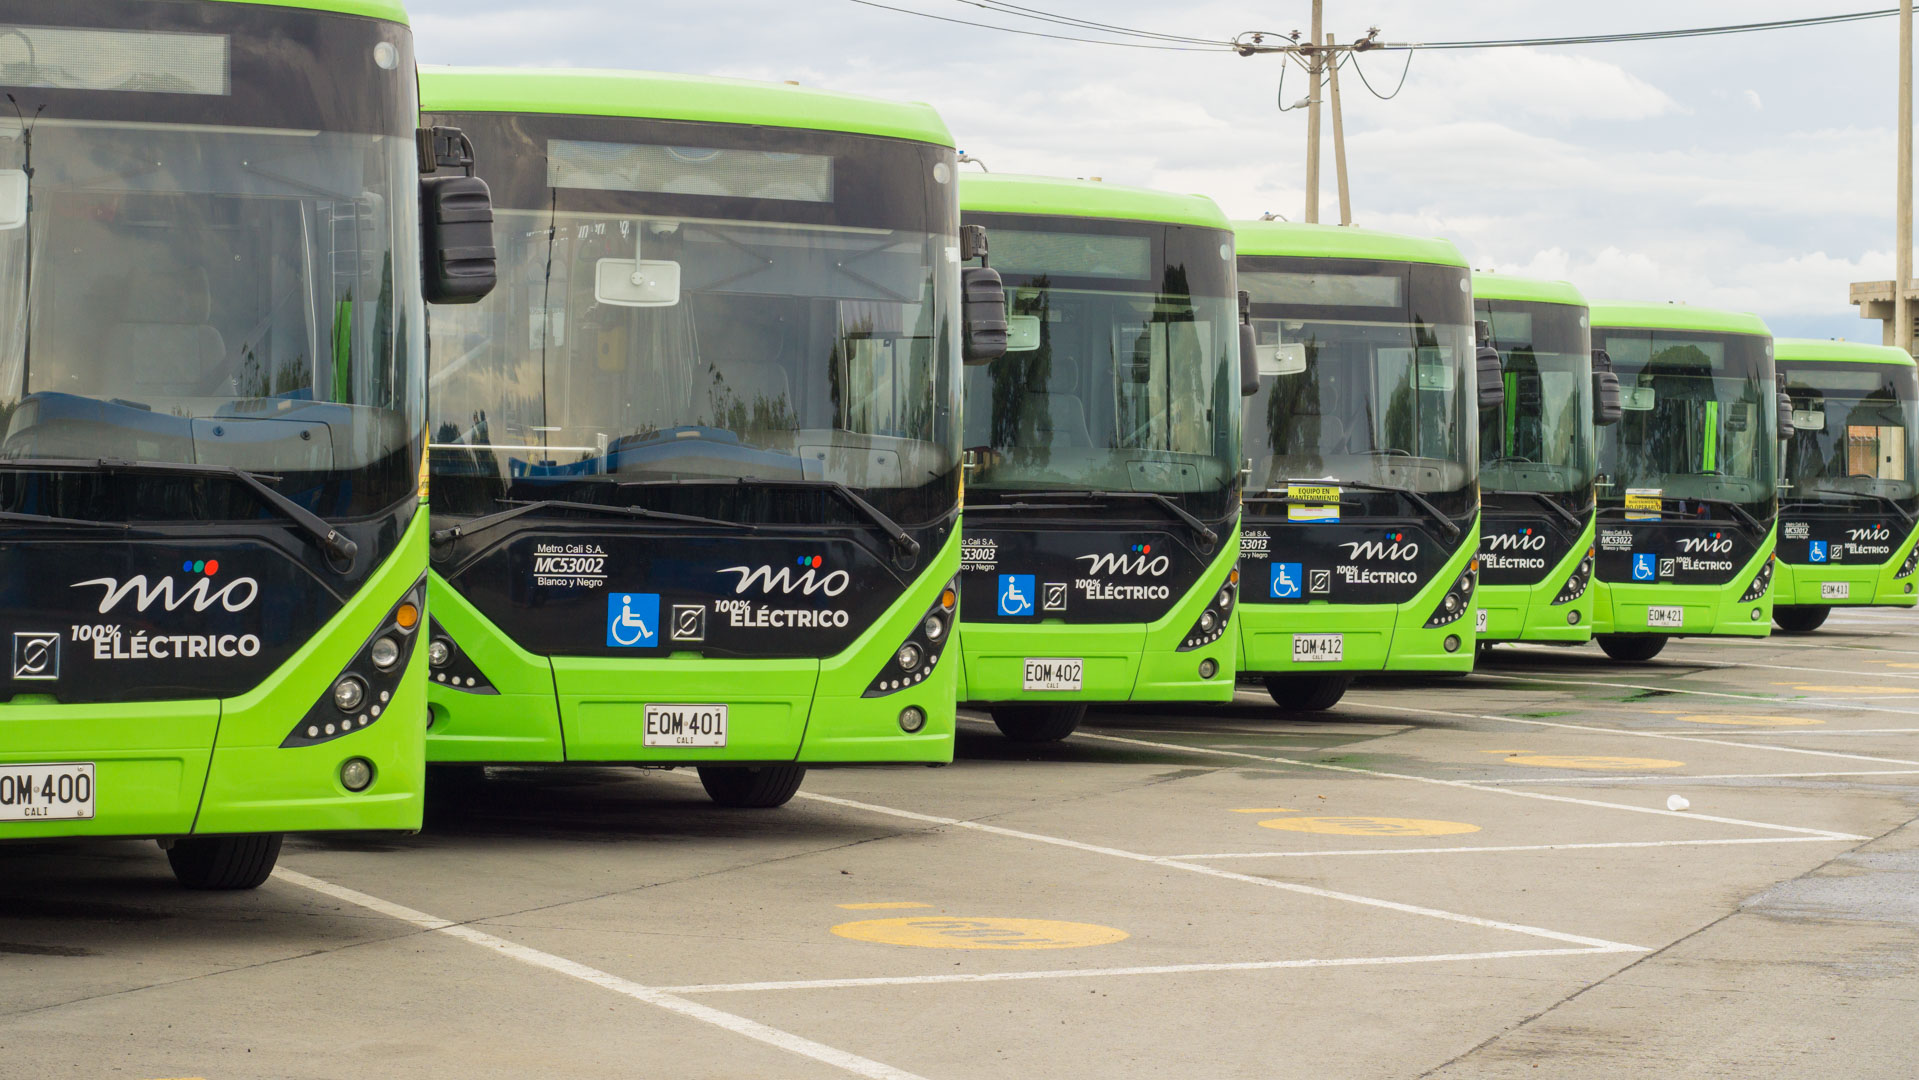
(1866, 584)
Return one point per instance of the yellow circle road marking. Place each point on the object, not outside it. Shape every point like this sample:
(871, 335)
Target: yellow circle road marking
(1749, 720)
(1850, 689)
(1584, 761)
(932, 932)
(1370, 826)
(884, 905)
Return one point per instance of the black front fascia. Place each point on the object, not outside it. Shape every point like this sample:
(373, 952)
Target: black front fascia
(169, 613)
(1849, 537)
(572, 587)
(1683, 549)
(1021, 568)
(1520, 540)
(290, 68)
(1372, 559)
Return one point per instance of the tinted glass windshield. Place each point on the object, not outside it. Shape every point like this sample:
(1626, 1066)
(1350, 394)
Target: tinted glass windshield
(1853, 432)
(709, 310)
(221, 294)
(1699, 419)
(1365, 374)
(1118, 375)
(1541, 438)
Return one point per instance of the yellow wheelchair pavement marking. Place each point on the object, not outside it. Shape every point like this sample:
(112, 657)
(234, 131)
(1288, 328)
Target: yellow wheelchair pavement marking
(1370, 826)
(1584, 761)
(1749, 720)
(884, 905)
(935, 932)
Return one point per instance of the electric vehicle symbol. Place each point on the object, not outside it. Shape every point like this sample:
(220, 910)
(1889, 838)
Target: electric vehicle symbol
(632, 620)
(1015, 594)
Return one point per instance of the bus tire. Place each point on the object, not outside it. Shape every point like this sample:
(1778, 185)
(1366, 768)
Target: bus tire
(224, 862)
(1038, 723)
(1307, 693)
(752, 787)
(1800, 618)
(1631, 648)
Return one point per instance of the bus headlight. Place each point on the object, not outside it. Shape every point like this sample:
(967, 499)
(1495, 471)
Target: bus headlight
(1211, 624)
(453, 666)
(1761, 583)
(1575, 586)
(1912, 563)
(356, 774)
(913, 662)
(348, 693)
(365, 687)
(1452, 607)
(384, 652)
(438, 652)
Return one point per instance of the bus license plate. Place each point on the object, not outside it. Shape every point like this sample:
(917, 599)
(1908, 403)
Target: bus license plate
(61, 792)
(1318, 648)
(685, 725)
(1835, 590)
(1047, 673)
(1669, 617)
(1479, 621)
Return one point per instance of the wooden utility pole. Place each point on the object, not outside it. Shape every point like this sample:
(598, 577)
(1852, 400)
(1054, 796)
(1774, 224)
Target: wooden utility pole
(1339, 137)
(1313, 71)
(1902, 257)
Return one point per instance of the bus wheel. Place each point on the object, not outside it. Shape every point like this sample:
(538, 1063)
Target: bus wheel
(224, 862)
(1307, 693)
(1800, 618)
(752, 787)
(1631, 648)
(1038, 723)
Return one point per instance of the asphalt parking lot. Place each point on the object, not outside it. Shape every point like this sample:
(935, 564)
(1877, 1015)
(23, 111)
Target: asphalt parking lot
(1473, 877)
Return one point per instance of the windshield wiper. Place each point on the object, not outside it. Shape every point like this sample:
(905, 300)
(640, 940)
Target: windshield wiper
(1738, 511)
(1200, 528)
(900, 537)
(1886, 499)
(16, 517)
(1421, 501)
(1551, 504)
(527, 506)
(329, 539)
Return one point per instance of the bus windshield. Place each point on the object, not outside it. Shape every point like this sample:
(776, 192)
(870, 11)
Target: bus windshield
(1540, 439)
(1698, 420)
(800, 341)
(1854, 427)
(1366, 375)
(201, 277)
(1118, 375)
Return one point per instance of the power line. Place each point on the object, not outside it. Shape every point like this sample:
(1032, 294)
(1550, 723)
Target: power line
(1221, 47)
(1251, 42)
(1023, 11)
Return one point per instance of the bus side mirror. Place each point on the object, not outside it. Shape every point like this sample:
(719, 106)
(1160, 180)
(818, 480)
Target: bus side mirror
(456, 221)
(1248, 348)
(1606, 409)
(1492, 379)
(983, 315)
(1785, 415)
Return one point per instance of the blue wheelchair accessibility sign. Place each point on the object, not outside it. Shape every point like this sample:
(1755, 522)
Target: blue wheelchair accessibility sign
(1644, 567)
(1287, 581)
(632, 620)
(1016, 594)
(1818, 551)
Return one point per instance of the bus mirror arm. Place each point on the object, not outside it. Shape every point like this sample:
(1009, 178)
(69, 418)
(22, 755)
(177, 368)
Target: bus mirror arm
(1492, 380)
(1606, 410)
(1248, 347)
(456, 221)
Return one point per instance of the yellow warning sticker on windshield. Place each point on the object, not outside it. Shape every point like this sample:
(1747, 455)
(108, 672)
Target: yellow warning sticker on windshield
(1640, 500)
(1302, 497)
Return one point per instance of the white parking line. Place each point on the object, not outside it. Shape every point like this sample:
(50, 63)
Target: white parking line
(1507, 847)
(1196, 868)
(1767, 699)
(1106, 973)
(739, 1025)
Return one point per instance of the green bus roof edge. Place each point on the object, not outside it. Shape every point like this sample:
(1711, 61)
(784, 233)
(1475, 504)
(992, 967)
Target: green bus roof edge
(1013, 193)
(654, 95)
(1526, 290)
(1824, 351)
(1641, 315)
(389, 10)
(1297, 240)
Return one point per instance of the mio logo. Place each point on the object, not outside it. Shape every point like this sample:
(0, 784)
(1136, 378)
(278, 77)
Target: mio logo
(1876, 532)
(1716, 544)
(1392, 549)
(1139, 561)
(237, 594)
(1526, 541)
(808, 581)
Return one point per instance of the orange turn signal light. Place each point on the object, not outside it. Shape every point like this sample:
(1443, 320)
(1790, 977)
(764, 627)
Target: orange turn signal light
(407, 616)
(948, 599)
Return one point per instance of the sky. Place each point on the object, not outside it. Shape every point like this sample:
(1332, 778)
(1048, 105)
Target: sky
(1751, 171)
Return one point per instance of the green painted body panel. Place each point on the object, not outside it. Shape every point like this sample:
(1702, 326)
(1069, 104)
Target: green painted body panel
(1378, 637)
(1525, 289)
(1123, 661)
(1298, 240)
(216, 766)
(389, 10)
(1527, 612)
(1621, 313)
(575, 709)
(1804, 350)
(1710, 610)
(1008, 193)
(1871, 584)
(661, 96)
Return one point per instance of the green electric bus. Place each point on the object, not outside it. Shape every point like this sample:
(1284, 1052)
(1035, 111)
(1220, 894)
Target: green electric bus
(1536, 461)
(696, 464)
(1848, 503)
(1102, 495)
(1687, 504)
(212, 355)
(1361, 532)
